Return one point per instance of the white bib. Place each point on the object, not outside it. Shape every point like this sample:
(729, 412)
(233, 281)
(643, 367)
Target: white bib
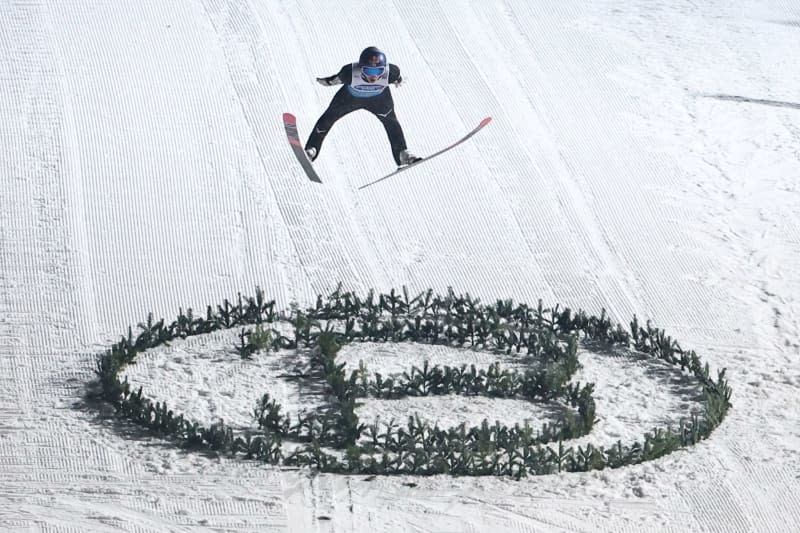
(361, 88)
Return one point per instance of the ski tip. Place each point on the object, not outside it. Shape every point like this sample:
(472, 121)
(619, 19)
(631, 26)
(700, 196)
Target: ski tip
(485, 121)
(288, 117)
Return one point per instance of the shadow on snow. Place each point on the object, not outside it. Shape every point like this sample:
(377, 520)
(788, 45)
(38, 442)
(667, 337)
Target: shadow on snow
(747, 100)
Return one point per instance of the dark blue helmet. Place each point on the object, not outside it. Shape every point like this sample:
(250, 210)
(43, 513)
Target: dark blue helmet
(372, 61)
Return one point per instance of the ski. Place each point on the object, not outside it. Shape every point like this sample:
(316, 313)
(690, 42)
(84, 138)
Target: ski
(290, 124)
(483, 123)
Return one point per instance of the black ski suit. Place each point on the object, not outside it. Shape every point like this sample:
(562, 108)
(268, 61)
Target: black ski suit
(381, 105)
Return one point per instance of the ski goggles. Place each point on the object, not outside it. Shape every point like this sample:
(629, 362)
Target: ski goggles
(373, 71)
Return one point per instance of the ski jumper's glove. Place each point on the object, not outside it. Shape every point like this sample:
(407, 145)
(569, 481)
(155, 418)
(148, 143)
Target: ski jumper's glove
(398, 82)
(330, 80)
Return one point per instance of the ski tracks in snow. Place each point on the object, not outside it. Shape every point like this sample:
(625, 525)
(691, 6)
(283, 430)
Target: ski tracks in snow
(47, 303)
(550, 210)
(128, 119)
(265, 71)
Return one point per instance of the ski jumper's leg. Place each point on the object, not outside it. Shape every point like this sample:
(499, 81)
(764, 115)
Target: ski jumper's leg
(342, 104)
(382, 106)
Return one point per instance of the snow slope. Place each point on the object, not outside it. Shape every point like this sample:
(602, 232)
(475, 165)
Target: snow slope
(644, 158)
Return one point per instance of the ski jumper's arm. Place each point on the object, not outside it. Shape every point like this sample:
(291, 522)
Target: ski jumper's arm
(394, 74)
(342, 77)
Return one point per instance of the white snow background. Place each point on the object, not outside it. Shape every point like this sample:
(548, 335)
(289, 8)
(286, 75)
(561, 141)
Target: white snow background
(644, 158)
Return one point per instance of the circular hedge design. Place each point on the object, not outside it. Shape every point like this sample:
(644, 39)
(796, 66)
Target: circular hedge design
(540, 345)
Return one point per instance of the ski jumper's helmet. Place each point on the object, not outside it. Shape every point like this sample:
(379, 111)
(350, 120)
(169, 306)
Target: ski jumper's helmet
(372, 62)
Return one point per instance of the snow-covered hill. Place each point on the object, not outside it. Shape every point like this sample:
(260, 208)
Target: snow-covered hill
(644, 157)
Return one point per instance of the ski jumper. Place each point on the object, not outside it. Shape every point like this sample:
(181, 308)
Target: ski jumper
(359, 93)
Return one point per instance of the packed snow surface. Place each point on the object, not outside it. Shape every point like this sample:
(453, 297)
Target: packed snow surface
(643, 157)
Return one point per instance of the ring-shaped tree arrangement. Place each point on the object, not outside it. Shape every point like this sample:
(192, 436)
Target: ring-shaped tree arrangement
(334, 439)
